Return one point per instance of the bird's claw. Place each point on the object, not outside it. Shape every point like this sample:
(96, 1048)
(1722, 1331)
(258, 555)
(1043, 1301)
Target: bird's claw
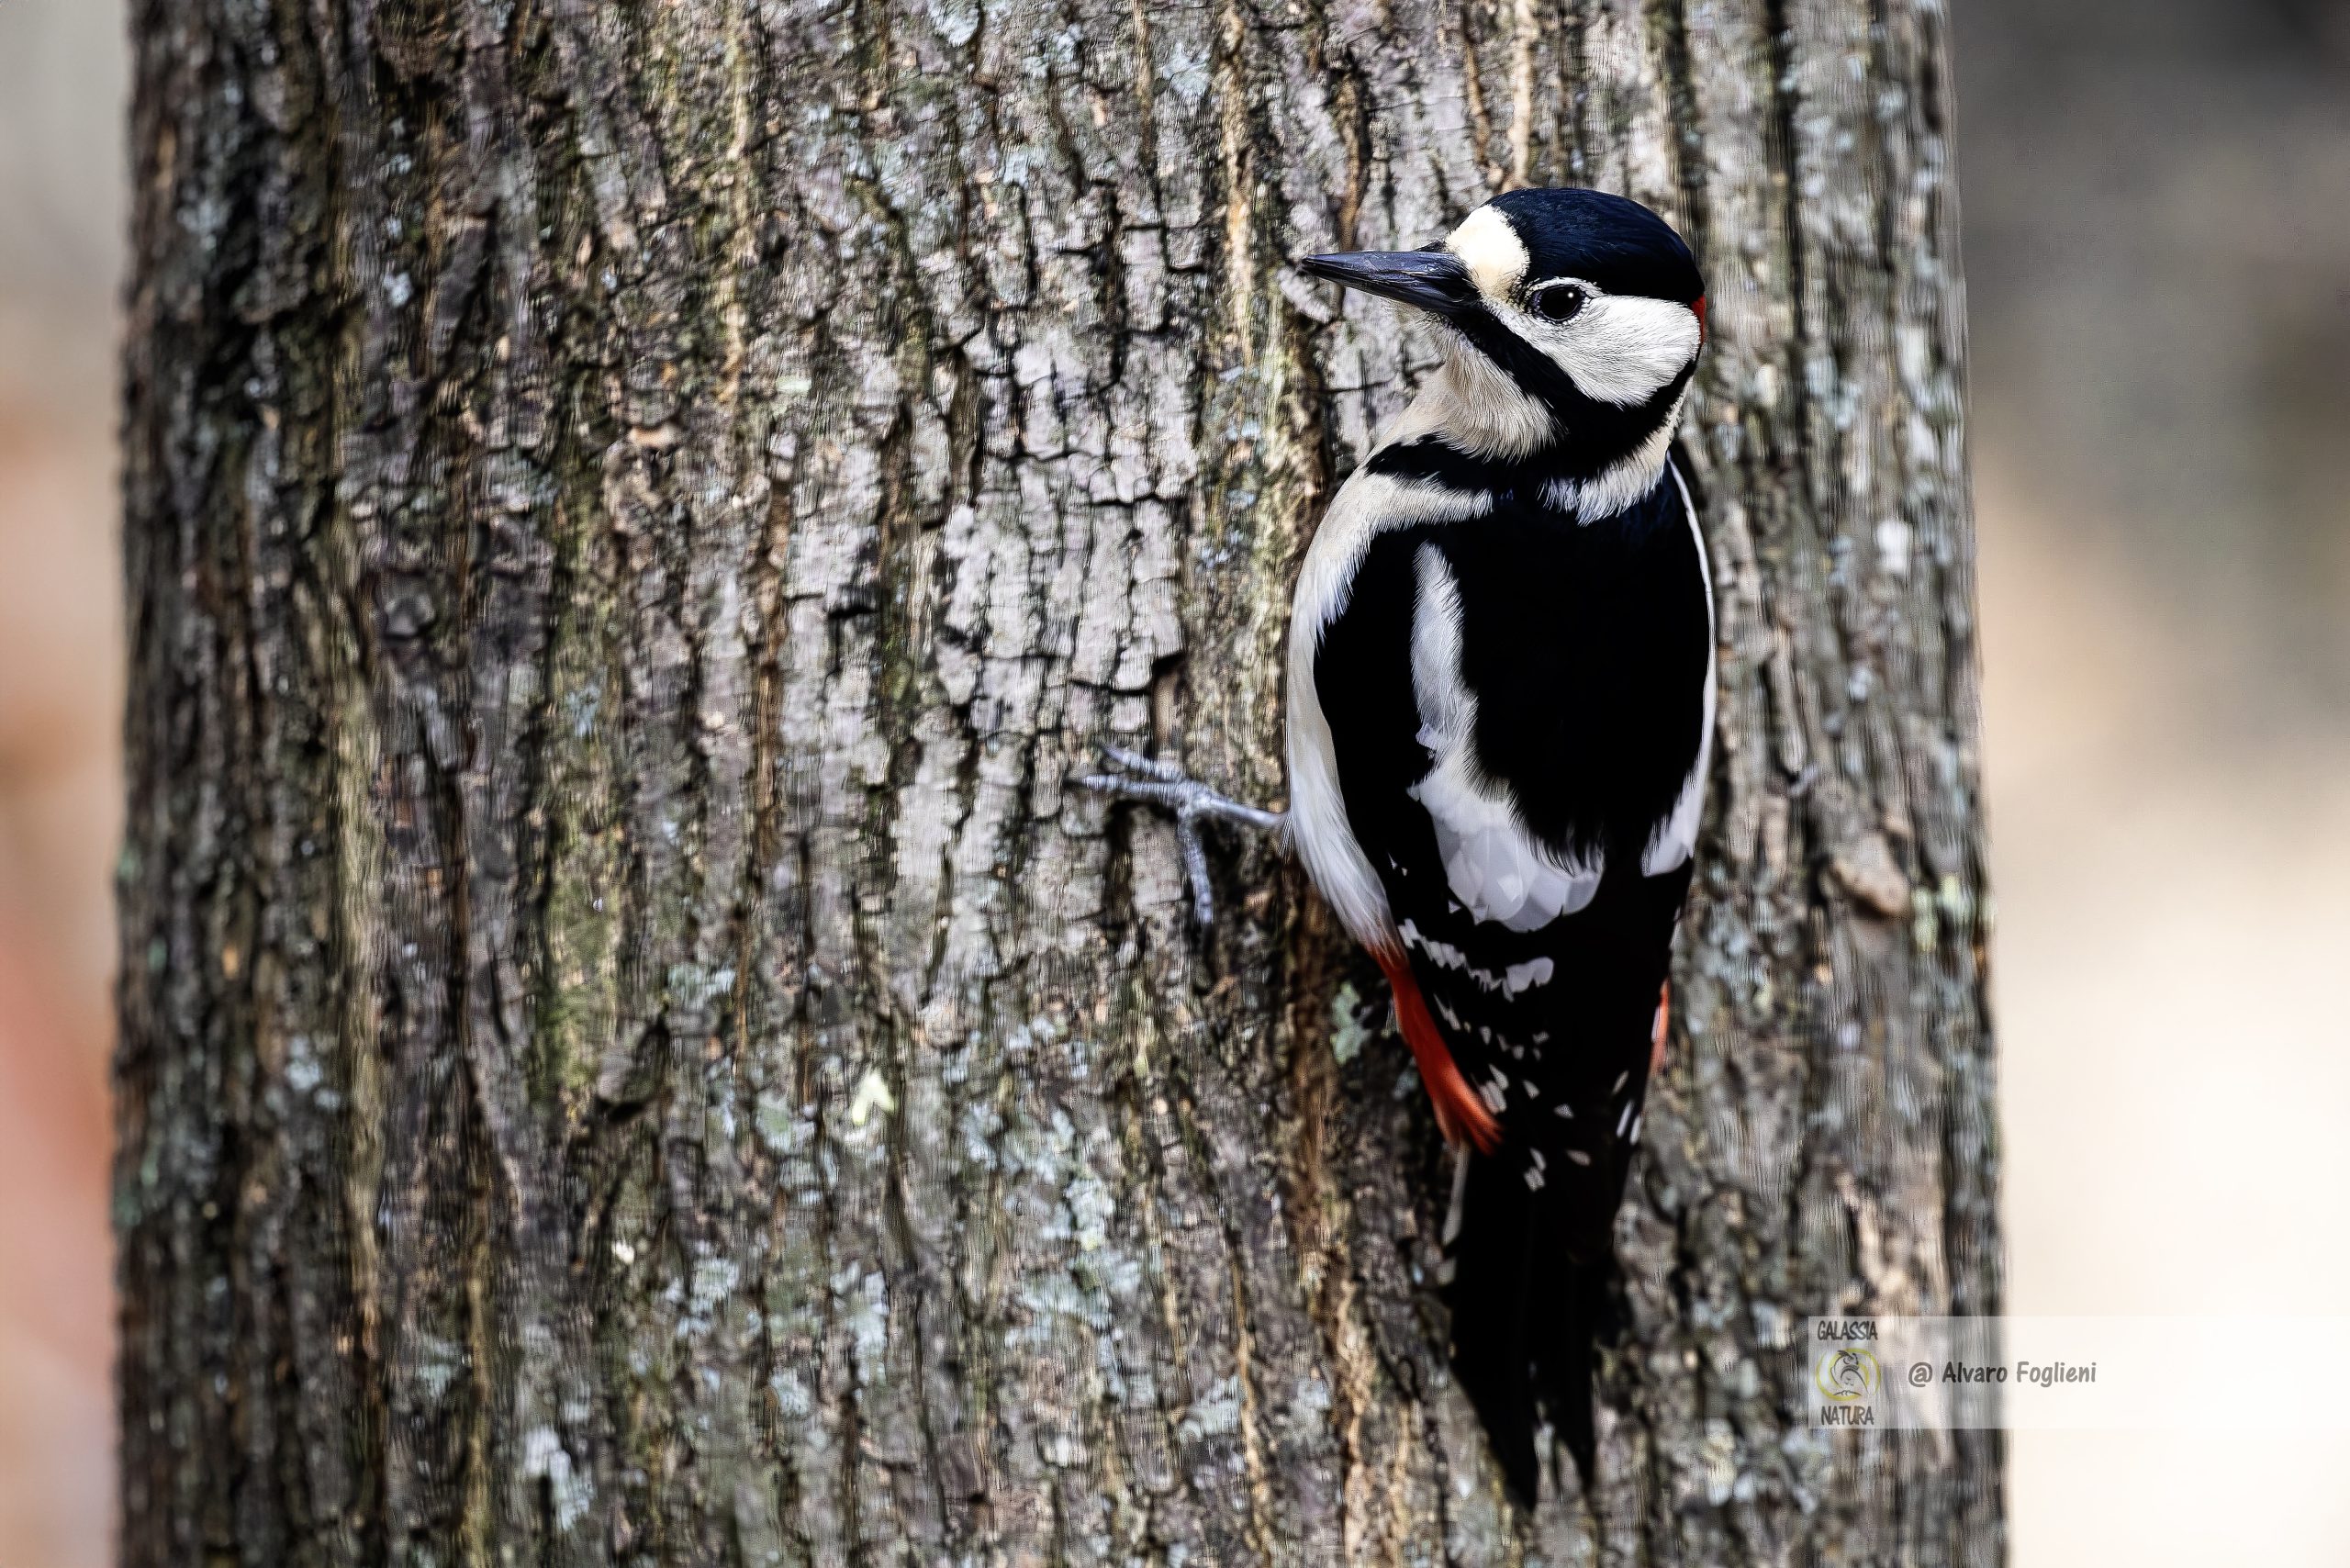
(1165, 784)
(1149, 766)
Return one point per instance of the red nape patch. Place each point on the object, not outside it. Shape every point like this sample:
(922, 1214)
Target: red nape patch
(1703, 330)
(1460, 1114)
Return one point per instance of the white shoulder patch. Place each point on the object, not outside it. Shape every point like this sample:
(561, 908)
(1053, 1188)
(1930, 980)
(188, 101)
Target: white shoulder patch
(1494, 866)
(1675, 838)
(1365, 505)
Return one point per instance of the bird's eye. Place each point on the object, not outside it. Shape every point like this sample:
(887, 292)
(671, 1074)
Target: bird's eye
(1560, 302)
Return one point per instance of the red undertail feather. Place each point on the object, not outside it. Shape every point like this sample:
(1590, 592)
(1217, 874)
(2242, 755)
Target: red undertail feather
(1460, 1114)
(1663, 1022)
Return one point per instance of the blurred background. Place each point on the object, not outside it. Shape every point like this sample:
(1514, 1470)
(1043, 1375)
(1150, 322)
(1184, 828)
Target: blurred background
(2157, 233)
(2157, 204)
(63, 175)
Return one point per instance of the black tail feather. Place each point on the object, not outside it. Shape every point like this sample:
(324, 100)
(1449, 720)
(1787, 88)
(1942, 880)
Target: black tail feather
(1528, 1316)
(1493, 1261)
(1566, 1355)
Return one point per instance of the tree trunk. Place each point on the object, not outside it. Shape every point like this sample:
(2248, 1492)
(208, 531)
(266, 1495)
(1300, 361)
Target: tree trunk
(633, 1049)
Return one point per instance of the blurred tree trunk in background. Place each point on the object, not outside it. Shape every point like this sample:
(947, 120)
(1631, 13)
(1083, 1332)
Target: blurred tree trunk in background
(632, 1049)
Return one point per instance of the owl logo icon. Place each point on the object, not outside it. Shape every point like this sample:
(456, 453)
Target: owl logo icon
(1847, 1374)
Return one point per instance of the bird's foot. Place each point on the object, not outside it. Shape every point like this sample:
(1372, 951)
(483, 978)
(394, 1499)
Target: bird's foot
(1138, 778)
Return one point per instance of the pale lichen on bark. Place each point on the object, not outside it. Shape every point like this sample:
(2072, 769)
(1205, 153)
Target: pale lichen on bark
(633, 1048)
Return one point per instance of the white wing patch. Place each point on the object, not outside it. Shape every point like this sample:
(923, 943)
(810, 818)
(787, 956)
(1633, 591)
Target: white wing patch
(1675, 838)
(1497, 870)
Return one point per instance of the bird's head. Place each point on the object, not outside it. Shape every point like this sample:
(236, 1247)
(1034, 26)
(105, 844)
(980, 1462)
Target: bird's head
(1574, 320)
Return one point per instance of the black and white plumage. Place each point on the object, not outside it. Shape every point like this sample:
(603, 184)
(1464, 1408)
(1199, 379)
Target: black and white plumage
(1501, 705)
(1501, 687)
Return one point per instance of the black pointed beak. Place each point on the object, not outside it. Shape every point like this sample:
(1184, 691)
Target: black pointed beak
(1433, 280)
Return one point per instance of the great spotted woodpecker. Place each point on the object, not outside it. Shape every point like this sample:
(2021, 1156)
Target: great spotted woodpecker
(1501, 706)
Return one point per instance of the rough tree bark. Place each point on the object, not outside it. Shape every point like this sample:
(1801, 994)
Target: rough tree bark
(633, 1050)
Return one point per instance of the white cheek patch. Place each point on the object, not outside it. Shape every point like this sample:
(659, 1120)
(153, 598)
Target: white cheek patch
(1490, 250)
(1621, 348)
